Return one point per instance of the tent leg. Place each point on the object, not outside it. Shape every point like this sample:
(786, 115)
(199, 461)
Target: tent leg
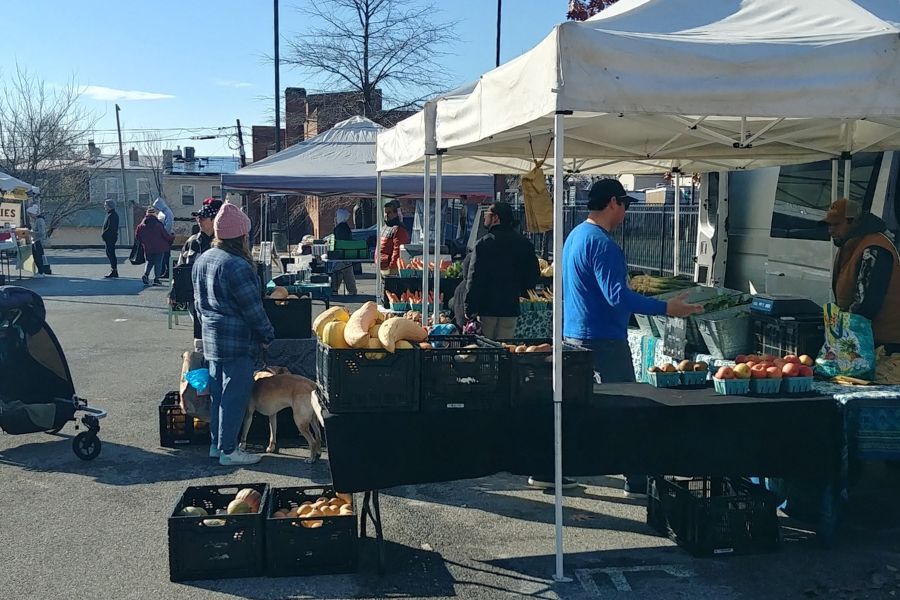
(834, 179)
(848, 172)
(676, 234)
(438, 238)
(379, 205)
(558, 235)
(426, 195)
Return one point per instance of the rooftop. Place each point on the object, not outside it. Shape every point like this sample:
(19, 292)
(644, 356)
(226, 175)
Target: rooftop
(205, 165)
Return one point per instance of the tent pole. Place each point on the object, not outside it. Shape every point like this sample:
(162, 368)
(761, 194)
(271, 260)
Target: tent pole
(379, 205)
(426, 194)
(676, 237)
(438, 238)
(558, 235)
(834, 179)
(848, 171)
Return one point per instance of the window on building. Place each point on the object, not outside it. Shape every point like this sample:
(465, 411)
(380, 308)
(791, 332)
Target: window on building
(112, 189)
(187, 195)
(217, 192)
(803, 195)
(143, 190)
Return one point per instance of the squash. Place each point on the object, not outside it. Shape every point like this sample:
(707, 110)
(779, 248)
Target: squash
(373, 331)
(357, 331)
(239, 507)
(374, 344)
(397, 328)
(403, 345)
(279, 293)
(250, 497)
(333, 335)
(335, 313)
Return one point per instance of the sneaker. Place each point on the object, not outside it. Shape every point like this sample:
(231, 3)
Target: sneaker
(239, 457)
(214, 452)
(146, 280)
(567, 483)
(112, 275)
(157, 282)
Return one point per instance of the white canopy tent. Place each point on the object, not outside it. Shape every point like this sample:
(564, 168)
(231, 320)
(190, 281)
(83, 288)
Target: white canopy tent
(10, 187)
(690, 85)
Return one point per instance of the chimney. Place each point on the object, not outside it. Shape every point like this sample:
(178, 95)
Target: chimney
(93, 150)
(133, 157)
(177, 153)
(188, 153)
(295, 113)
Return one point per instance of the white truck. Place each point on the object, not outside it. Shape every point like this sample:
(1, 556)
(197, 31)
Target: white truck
(758, 230)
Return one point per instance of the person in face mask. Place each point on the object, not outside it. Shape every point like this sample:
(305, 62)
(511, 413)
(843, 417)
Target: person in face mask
(866, 274)
(342, 271)
(393, 235)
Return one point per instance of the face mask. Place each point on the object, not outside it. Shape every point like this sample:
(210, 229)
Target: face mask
(392, 222)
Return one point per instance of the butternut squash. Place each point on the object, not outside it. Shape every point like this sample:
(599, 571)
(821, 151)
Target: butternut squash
(357, 331)
(397, 328)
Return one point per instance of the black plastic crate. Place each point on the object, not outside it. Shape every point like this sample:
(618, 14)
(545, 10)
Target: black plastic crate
(782, 336)
(531, 374)
(456, 377)
(293, 548)
(177, 428)
(216, 546)
(713, 516)
(291, 317)
(371, 380)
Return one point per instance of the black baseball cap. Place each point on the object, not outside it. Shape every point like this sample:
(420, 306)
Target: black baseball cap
(603, 190)
(207, 212)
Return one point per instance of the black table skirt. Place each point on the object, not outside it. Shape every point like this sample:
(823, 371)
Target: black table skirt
(629, 428)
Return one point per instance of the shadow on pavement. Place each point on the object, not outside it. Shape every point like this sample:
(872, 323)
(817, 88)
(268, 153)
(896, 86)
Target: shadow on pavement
(121, 465)
(410, 573)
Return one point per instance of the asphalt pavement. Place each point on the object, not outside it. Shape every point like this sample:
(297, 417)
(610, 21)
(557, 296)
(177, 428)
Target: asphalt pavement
(73, 529)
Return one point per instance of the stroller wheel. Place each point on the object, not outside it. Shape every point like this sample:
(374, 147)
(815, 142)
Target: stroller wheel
(86, 445)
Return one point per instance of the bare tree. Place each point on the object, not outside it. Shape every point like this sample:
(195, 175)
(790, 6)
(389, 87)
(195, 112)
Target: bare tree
(581, 10)
(386, 51)
(43, 132)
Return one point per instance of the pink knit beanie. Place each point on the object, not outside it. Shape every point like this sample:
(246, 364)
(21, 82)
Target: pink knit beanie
(231, 222)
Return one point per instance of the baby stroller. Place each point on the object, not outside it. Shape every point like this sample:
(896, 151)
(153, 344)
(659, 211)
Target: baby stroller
(36, 390)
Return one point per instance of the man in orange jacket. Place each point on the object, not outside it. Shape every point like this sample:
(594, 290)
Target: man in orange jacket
(866, 278)
(393, 235)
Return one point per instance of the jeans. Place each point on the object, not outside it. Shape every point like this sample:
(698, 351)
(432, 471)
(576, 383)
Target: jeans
(498, 328)
(613, 364)
(111, 255)
(154, 261)
(230, 384)
(347, 276)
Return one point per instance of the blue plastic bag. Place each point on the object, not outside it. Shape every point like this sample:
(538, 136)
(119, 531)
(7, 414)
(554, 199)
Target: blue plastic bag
(198, 379)
(849, 345)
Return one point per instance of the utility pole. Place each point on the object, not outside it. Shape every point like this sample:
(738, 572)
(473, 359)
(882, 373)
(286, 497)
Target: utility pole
(125, 206)
(241, 144)
(499, 14)
(277, 87)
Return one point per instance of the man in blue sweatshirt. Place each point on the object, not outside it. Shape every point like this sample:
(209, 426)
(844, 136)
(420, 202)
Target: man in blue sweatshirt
(597, 302)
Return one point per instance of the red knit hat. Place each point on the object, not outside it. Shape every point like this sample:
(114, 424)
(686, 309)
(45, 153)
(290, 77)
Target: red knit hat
(231, 222)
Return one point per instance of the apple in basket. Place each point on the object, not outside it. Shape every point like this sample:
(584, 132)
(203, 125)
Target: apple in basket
(807, 360)
(773, 372)
(806, 371)
(792, 358)
(725, 373)
(791, 370)
(758, 371)
(742, 371)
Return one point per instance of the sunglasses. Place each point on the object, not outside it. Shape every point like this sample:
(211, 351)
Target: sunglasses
(624, 201)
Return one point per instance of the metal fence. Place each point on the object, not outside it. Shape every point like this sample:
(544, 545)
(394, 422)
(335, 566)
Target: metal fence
(646, 237)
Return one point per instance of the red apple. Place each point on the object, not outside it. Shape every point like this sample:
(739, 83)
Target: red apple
(740, 359)
(792, 358)
(725, 373)
(767, 358)
(806, 371)
(758, 372)
(807, 360)
(750, 363)
(773, 372)
(791, 370)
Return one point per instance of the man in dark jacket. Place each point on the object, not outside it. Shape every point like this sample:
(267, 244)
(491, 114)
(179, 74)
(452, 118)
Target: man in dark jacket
(152, 235)
(866, 279)
(342, 271)
(110, 236)
(393, 235)
(503, 267)
(182, 288)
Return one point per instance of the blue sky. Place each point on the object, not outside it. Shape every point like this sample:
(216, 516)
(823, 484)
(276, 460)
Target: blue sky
(201, 63)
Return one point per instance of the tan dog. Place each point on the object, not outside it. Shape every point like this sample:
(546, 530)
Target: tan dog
(274, 389)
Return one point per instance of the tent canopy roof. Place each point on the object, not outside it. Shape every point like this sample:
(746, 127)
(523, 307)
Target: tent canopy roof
(700, 85)
(11, 187)
(340, 162)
